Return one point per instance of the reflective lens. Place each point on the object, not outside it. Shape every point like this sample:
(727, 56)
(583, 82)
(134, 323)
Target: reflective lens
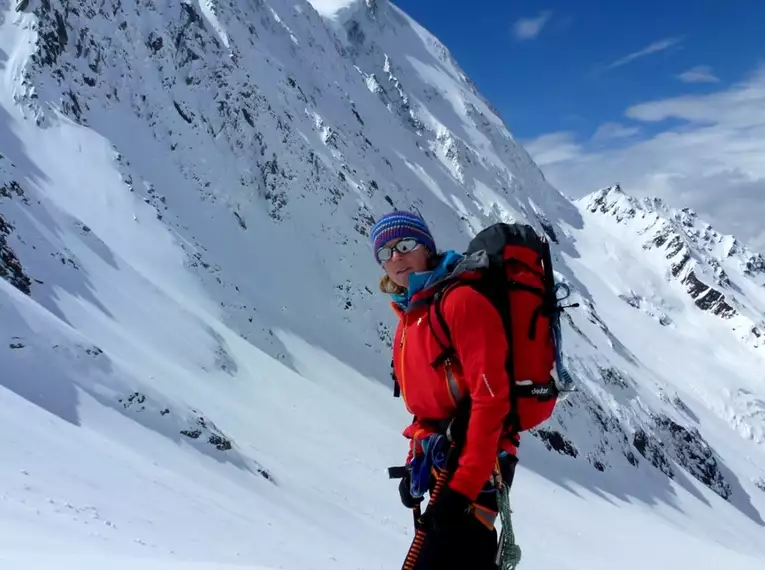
(402, 246)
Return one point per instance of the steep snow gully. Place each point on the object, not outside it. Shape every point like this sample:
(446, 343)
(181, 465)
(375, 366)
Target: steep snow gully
(193, 351)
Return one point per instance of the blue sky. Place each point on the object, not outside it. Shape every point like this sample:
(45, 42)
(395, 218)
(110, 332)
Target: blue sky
(666, 98)
(559, 79)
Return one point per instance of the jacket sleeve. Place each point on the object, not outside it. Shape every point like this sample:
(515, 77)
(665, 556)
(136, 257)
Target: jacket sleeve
(479, 340)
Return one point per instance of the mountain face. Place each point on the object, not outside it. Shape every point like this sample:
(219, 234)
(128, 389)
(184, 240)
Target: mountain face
(194, 347)
(721, 275)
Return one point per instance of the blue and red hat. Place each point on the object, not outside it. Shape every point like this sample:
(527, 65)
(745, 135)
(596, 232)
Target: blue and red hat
(400, 224)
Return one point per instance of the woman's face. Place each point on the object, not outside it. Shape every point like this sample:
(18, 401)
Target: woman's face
(406, 256)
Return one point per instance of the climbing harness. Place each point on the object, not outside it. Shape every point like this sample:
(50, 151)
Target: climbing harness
(433, 456)
(419, 533)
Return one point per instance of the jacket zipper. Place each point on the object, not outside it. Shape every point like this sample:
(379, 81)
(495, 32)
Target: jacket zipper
(447, 383)
(402, 346)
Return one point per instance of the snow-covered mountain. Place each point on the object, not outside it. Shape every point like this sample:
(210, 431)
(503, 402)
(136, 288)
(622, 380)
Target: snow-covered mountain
(720, 274)
(194, 364)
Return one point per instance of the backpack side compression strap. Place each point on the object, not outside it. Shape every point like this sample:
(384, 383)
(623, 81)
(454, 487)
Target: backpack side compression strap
(447, 348)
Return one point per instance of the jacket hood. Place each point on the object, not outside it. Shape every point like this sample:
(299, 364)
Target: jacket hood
(425, 283)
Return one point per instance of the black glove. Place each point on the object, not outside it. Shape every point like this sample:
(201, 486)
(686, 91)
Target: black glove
(448, 509)
(406, 497)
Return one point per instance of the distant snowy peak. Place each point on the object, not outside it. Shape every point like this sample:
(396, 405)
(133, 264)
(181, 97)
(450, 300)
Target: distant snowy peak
(721, 275)
(684, 222)
(363, 20)
(340, 10)
(420, 83)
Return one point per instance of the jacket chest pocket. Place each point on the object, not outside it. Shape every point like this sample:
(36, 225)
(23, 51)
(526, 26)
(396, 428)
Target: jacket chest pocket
(433, 390)
(451, 374)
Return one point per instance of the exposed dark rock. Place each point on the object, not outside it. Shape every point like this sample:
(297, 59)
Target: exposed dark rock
(240, 220)
(674, 246)
(678, 266)
(707, 298)
(661, 238)
(632, 458)
(554, 440)
(186, 116)
(613, 377)
(694, 454)
(134, 399)
(155, 42)
(11, 190)
(548, 229)
(754, 265)
(10, 266)
(214, 437)
(653, 451)
(363, 221)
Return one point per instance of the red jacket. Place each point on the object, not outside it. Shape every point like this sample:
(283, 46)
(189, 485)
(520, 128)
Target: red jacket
(481, 348)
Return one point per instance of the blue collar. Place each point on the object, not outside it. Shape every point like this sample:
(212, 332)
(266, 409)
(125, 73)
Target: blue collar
(425, 279)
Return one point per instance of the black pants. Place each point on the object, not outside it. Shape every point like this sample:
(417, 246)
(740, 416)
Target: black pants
(465, 545)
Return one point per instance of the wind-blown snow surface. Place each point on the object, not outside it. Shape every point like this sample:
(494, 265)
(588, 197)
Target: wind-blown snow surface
(194, 354)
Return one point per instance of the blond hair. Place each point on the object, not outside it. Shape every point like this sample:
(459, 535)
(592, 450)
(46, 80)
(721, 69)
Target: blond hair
(387, 285)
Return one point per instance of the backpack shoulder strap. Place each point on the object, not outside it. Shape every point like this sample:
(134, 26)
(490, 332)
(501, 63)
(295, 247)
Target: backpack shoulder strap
(447, 347)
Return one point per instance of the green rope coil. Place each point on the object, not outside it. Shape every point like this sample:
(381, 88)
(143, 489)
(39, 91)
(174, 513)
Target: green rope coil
(509, 552)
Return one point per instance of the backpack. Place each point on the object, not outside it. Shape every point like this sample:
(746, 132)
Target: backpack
(519, 282)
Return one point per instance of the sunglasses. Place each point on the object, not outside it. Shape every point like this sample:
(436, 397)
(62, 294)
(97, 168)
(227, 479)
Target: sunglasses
(405, 245)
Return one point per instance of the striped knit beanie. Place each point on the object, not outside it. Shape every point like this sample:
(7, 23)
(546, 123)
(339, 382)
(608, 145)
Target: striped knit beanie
(397, 225)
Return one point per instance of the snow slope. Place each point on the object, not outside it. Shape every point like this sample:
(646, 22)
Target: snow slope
(704, 289)
(194, 354)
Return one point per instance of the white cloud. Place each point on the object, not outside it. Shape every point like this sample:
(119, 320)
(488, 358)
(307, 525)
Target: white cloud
(610, 131)
(711, 158)
(530, 28)
(655, 47)
(554, 147)
(698, 74)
